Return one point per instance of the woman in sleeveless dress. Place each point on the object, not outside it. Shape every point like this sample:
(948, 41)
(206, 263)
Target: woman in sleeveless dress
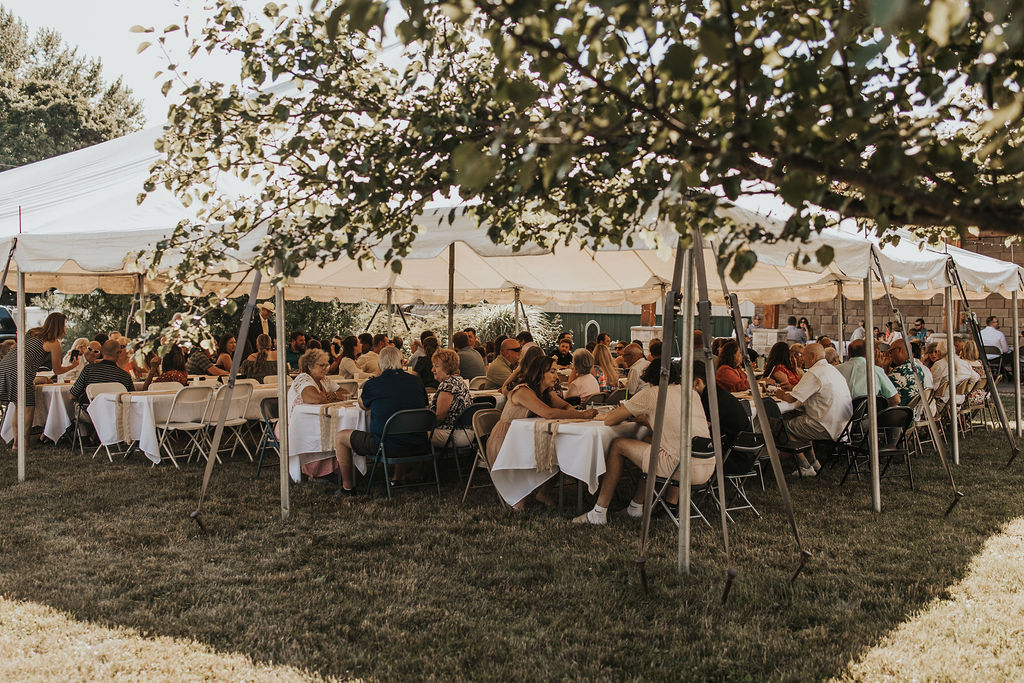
(40, 342)
(534, 397)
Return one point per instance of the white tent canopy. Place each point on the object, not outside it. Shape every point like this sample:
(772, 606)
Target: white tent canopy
(78, 222)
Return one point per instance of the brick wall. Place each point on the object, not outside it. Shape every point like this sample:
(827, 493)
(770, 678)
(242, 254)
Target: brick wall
(823, 315)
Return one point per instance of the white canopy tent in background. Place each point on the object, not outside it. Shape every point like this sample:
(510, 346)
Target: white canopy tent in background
(77, 221)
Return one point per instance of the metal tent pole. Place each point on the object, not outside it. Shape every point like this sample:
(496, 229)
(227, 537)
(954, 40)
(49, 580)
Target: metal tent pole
(842, 316)
(951, 377)
(1016, 361)
(142, 304)
(515, 306)
(686, 381)
(389, 314)
(451, 295)
(21, 427)
(282, 395)
(869, 374)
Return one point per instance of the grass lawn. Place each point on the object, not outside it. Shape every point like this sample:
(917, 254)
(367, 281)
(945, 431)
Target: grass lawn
(103, 574)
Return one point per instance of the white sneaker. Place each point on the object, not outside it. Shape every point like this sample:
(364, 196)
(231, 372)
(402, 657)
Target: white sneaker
(816, 465)
(590, 518)
(805, 472)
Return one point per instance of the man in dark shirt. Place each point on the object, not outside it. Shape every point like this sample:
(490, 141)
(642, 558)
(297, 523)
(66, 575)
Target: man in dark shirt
(105, 370)
(732, 418)
(563, 354)
(296, 347)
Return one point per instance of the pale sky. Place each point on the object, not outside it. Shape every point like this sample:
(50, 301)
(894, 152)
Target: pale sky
(100, 28)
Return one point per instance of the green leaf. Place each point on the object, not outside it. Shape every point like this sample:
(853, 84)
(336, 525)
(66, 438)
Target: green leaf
(474, 167)
(825, 255)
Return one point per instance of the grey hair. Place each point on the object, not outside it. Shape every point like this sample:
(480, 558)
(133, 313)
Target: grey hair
(390, 358)
(310, 358)
(583, 361)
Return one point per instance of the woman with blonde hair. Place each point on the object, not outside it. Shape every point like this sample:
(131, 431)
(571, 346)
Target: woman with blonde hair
(605, 368)
(40, 342)
(263, 362)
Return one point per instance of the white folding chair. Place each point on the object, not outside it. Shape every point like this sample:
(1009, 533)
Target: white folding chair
(184, 416)
(478, 382)
(272, 379)
(235, 422)
(91, 392)
(165, 386)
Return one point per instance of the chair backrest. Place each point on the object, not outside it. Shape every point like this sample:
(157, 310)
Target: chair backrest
(483, 425)
(478, 382)
(94, 390)
(963, 386)
(992, 351)
(239, 402)
(164, 386)
(189, 405)
(491, 401)
(272, 379)
(465, 419)
(268, 408)
(880, 403)
(597, 399)
(615, 397)
(204, 379)
(742, 455)
(412, 421)
(892, 424)
(244, 380)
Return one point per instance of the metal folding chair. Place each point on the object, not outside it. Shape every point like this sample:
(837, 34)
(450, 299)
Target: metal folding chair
(418, 421)
(483, 425)
(268, 439)
(185, 416)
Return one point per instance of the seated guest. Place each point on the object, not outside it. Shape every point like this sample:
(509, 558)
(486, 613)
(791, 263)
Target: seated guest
(367, 362)
(641, 408)
(451, 398)
(730, 375)
(732, 418)
(827, 403)
(296, 347)
(106, 370)
(854, 371)
(524, 337)
(311, 387)
(606, 369)
(831, 355)
(563, 353)
(471, 363)
(503, 364)
(77, 350)
(124, 360)
(391, 391)
(263, 362)
(346, 364)
(796, 352)
(917, 349)
(527, 354)
(424, 367)
(620, 361)
(582, 382)
(654, 349)
(171, 367)
(940, 369)
(901, 373)
(991, 335)
(780, 367)
(636, 363)
(225, 351)
(969, 352)
(199, 363)
(533, 397)
(794, 333)
(418, 352)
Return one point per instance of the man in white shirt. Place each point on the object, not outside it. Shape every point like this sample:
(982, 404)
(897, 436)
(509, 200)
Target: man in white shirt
(826, 401)
(636, 363)
(991, 335)
(859, 333)
(369, 361)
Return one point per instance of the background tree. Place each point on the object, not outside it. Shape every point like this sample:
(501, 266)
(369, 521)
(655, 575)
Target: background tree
(52, 100)
(597, 120)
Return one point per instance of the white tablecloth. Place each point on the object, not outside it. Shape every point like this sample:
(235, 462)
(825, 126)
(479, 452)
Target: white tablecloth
(580, 447)
(304, 434)
(146, 410)
(53, 412)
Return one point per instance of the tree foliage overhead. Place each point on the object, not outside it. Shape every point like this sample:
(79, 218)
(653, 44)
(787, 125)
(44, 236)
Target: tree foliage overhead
(591, 118)
(52, 100)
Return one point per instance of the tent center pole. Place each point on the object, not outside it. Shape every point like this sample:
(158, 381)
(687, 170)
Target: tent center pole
(451, 295)
(21, 428)
(282, 393)
(1016, 361)
(515, 305)
(951, 377)
(869, 375)
(841, 309)
(389, 313)
(686, 370)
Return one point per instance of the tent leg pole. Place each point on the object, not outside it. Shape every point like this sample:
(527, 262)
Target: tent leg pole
(1016, 361)
(842, 316)
(451, 295)
(390, 334)
(686, 370)
(951, 376)
(142, 304)
(515, 306)
(282, 396)
(20, 427)
(869, 359)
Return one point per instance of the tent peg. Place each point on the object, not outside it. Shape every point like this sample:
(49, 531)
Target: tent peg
(957, 495)
(730, 576)
(805, 555)
(641, 565)
(199, 520)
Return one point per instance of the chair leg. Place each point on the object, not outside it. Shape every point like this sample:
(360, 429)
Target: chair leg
(469, 479)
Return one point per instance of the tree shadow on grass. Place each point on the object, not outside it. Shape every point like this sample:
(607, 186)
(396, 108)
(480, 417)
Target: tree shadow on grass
(430, 588)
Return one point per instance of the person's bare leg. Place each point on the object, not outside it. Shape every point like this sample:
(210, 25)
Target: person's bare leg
(343, 451)
(29, 413)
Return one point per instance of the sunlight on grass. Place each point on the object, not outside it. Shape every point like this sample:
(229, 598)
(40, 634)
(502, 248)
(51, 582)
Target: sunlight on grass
(40, 643)
(975, 633)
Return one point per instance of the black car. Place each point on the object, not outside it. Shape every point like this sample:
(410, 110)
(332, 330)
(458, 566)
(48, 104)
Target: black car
(8, 330)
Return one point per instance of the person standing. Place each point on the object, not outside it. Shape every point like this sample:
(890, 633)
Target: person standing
(261, 323)
(794, 333)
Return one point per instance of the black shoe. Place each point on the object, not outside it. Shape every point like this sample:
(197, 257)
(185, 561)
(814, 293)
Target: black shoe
(342, 492)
